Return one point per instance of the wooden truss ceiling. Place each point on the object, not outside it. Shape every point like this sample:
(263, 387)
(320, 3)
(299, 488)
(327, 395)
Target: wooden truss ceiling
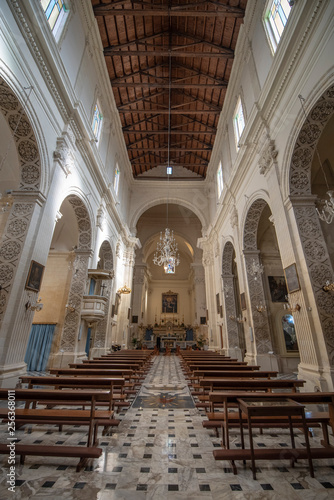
(169, 63)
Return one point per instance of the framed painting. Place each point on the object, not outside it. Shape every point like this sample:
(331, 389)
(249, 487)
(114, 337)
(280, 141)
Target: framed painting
(291, 278)
(117, 301)
(203, 320)
(169, 302)
(278, 289)
(134, 319)
(35, 276)
(217, 303)
(243, 301)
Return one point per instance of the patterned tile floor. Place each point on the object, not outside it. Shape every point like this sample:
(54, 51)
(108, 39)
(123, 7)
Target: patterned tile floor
(161, 452)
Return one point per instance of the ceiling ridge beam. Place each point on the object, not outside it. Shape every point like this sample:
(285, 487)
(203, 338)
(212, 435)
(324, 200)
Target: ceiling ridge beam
(225, 53)
(173, 85)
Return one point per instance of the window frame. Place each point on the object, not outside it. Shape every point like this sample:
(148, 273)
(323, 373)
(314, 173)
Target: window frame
(117, 173)
(58, 29)
(236, 128)
(97, 134)
(270, 25)
(220, 179)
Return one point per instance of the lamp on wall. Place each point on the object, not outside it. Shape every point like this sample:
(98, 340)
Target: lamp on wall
(237, 319)
(255, 269)
(70, 307)
(167, 251)
(327, 212)
(328, 286)
(34, 306)
(289, 306)
(261, 307)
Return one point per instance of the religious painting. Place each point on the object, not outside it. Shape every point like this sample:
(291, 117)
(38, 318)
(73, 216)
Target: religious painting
(117, 301)
(243, 301)
(291, 278)
(134, 319)
(217, 303)
(169, 302)
(278, 289)
(203, 320)
(35, 276)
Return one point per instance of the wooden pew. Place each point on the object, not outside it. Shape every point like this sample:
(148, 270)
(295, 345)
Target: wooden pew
(325, 418)
(55, 416)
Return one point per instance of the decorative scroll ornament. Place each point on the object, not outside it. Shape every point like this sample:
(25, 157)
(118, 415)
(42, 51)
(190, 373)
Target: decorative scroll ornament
(255, 269)
(124, 290)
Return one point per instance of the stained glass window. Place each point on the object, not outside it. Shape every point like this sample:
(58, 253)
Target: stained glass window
(55, 13)
(238, 121)
(220, 183)
(276, 18)
(97, 122)
(116, 179)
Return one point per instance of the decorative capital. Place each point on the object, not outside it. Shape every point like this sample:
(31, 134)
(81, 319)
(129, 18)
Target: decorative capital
(268, 157)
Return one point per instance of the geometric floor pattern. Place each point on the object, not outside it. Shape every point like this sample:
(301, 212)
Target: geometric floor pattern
(160, 452)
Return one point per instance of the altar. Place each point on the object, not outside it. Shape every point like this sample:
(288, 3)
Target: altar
(168, 341)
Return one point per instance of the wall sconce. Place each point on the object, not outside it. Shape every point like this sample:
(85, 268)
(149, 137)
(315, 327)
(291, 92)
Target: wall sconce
(261, 307)
(289, 306)
(328, 286)
(238, 319)
(125, 289)
(70, 307)
(34, 306)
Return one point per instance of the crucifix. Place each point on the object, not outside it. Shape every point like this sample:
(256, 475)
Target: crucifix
(102, 289)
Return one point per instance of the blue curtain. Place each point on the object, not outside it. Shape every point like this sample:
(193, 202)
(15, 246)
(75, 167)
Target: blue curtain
(148, 333)
(190, 335)
(39, 347)
(89, 331)
(92, 287)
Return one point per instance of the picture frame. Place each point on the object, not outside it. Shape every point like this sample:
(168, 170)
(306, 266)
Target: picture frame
(218, 303)
(169, 302)
(35, 276)
(278, 289)
(291, 278)
(203, 320)
(117, 302)
(134, 319)
(243, 301)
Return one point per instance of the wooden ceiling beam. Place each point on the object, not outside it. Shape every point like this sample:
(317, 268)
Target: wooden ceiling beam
(224, 53)
(172, 111)
(173, 85)
(141, 99)
(171, 149)
(165, 132)
(110, 10)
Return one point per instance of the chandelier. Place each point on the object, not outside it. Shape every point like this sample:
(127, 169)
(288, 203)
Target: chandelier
(327, 212)
(167, 251)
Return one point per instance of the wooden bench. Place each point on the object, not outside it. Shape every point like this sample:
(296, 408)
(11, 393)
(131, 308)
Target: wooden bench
(83, 417)
(83, 452)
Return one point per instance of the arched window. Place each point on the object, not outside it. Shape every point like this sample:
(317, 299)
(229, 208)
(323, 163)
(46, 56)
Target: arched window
(220, 182)
(238, 121)
(289, 332)
(275, 18)
(116, 179)
(55, 12)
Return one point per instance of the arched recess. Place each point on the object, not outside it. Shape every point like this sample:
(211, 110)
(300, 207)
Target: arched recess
(83, 252)
(26, 197)
(160, 201)
(317, 258)
(234, 331)
(262, 338)
(106, 262)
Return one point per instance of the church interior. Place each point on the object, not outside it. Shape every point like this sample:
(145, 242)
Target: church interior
(166, 196)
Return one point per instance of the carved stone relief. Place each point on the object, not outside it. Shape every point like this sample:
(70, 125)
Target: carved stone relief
(256, 290)
(230, 299)
(19, 219)
(78, 283)
(102, 326)
(309, 227)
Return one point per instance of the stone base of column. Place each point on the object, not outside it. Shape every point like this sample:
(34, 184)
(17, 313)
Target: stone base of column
(9, 374)
(316, 379)
(267, 362)
(234, 353)
(62, 359)
(97, 352)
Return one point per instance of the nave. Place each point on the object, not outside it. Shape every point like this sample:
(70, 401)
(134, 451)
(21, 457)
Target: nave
(161, 450)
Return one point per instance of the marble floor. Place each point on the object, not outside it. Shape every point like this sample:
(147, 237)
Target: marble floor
(160, 450)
